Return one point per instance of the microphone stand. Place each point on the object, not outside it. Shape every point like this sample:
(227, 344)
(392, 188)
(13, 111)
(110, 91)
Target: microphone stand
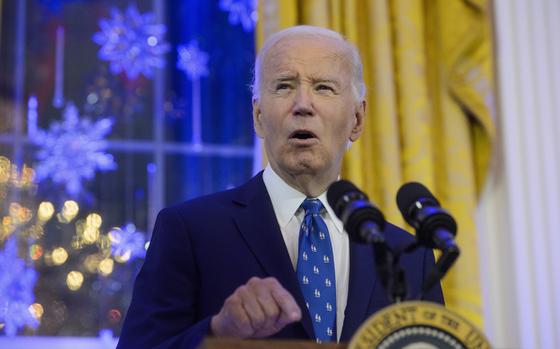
(392, 275)
(442, 265)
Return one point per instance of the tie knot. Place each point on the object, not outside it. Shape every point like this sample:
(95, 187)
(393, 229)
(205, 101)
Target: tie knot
(312, 206)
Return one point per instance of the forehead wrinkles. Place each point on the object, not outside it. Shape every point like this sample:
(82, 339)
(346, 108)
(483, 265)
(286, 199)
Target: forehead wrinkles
(332, 65)
(313, 49)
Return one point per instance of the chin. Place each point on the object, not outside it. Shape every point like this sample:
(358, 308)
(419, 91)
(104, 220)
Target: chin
(306, 165)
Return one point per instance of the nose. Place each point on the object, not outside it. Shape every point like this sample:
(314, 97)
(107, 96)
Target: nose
(303, 103)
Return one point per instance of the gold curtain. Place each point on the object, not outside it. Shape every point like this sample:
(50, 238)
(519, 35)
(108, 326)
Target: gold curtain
(428, 68)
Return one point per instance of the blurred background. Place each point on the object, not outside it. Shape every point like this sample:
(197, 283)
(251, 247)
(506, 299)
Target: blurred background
(112, 110)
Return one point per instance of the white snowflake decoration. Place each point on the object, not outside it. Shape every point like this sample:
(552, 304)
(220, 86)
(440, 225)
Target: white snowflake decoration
(72, 150)
(192, 60)
(16, 290)
(241, 11)
(127, 244)
(132, 42)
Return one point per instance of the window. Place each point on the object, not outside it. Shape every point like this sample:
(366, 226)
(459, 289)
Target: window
(94, 102)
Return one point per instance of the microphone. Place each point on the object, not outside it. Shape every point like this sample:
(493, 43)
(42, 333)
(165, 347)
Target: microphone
(364, 224)
(435, 227)
(362, 220)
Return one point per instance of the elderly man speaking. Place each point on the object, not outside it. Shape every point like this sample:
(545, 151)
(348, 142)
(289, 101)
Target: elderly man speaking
(270, 258)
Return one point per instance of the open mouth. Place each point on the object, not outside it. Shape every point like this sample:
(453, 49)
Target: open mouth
(302, 135)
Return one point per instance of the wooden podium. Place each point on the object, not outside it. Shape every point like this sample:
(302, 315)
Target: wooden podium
(221, 343)
(393, 327)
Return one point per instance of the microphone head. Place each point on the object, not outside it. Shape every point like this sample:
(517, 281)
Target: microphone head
(353, 208)
(422, 210)
(340, 193)
(409, 194)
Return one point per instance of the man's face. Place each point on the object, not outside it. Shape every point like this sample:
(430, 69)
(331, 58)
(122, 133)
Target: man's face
(307, 110)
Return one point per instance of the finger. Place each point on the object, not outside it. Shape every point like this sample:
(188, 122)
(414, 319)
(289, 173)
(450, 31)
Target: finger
(289, 309)
(268, 304)
(252, 307)
(239, 321)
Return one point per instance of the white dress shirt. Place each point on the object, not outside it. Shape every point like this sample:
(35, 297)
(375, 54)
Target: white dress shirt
(286, 202)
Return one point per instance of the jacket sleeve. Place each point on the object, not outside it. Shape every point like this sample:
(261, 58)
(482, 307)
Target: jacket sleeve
(163, 310)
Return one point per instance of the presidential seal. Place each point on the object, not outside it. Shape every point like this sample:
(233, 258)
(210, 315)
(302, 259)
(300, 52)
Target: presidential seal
(418, 325)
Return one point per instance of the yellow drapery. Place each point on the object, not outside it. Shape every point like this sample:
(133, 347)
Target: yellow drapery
(428, 69)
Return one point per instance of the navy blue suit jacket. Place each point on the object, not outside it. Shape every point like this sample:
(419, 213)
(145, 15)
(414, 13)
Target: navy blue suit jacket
(204, 249)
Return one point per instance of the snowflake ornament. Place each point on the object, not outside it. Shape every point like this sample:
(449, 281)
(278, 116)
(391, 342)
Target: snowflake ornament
(192, 60)
(127, 244)
(16, 290)
(72, 150)
(241, 11)
(132, 42)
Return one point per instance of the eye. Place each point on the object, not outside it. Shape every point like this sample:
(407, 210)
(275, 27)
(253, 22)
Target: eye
(283, 86)
(324, 88)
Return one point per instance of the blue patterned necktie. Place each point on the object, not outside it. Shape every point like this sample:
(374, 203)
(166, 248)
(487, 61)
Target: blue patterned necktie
(315, 270)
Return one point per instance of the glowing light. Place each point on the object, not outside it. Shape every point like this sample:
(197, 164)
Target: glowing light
(74, 280)
(127, 244)
(72, 150)
(104, 244)
(92, 262)
(27, 177)
(123, 258)
(152, 41)
(94, 220)
(36, 310)
(7, 227)
(9, 174)
(147, 245)
(20, 214)
(115, 235)
(192, 60)
(105, 266)
(45, 211)
(35, 231)
(17, 282)
(5, 167)
(90, 235)
(114, 315)
(59, 256)
(35, 251)
(92, 98)
(132, 42)
(69, 211)
(76, 243)
(48, 259)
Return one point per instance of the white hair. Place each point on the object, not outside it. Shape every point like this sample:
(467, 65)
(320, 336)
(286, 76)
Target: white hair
(358, 84)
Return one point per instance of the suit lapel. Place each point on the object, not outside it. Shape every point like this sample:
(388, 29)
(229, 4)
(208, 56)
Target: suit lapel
(259, 227)
(363, 279)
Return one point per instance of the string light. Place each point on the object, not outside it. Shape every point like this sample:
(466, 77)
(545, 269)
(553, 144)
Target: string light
(74, 280)
(92, 262)
(59, 256)
(105, 267)
(36, 310)
(45, 211)
(35, 251)
(69, 211)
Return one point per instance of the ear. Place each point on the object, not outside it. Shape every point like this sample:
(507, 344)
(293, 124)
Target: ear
(257, 122)
(359, 118)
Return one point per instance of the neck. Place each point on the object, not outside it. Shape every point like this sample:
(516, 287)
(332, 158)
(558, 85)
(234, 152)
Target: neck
(312, 185)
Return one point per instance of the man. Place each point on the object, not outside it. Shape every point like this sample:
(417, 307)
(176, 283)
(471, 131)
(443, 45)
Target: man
(232, 264)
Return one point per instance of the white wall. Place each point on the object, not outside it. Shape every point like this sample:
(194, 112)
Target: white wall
(519, 221)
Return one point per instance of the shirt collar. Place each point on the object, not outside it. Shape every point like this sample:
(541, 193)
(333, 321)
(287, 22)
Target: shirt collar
(286, 200)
